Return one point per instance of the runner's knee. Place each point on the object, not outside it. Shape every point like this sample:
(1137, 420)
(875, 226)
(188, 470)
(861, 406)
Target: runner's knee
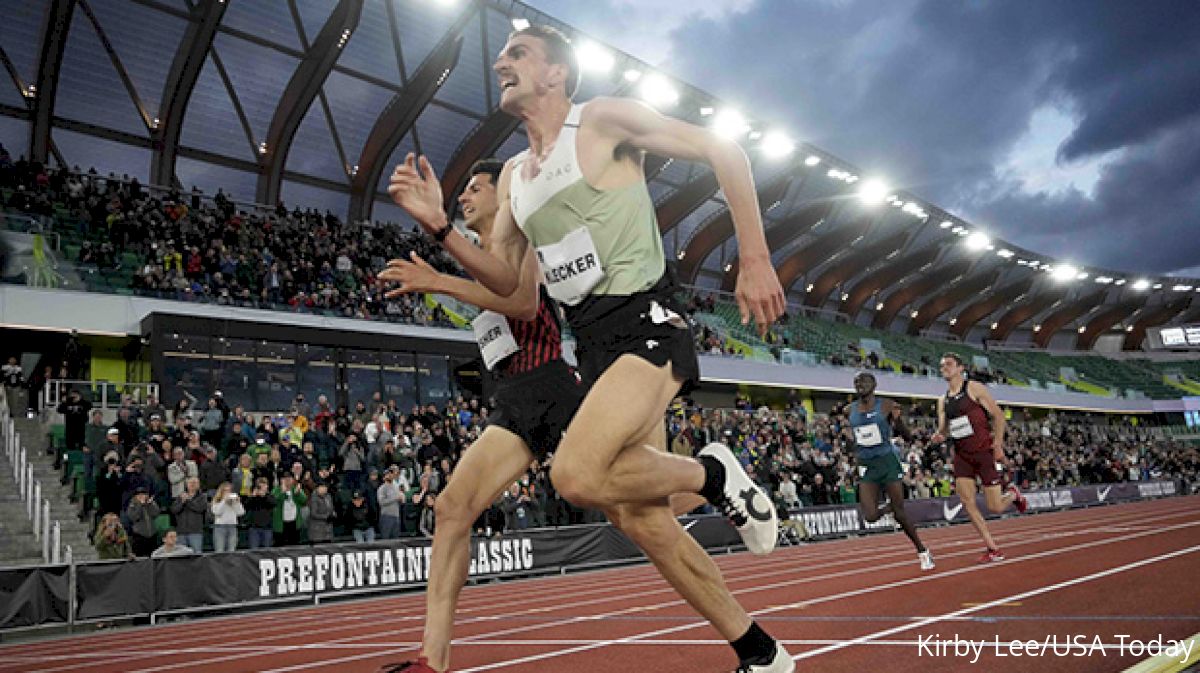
(452, 509)
(576, 485)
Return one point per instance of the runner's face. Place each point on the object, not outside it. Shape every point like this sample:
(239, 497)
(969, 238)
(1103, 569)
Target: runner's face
(478, 200)
(950, 368)
(522, 71)
(864, 385)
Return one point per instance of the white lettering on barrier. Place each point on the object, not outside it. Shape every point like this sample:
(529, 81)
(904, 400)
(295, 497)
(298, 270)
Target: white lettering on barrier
(372, 560)
(337, 571)
(304, 567)
(266, 573)
(354, 570)
(387, 574)
(287, 577)
(321, 562)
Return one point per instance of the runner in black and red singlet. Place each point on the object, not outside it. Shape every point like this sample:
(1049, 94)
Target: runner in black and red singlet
(975, 424)
(537, 394)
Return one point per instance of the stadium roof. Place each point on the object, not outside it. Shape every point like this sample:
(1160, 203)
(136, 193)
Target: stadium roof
(312, 101)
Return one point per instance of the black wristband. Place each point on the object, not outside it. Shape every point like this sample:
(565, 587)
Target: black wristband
(442, 233)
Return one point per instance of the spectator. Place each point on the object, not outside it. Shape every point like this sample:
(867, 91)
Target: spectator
(389, 506)
(141, 514)
(354, 462)
(179, 471)
(191, 513)
(823, 493)
(94, 433)
(75, 415)
(171, 547)
(211, 425)
(212, 472)
(14, 378)
(261, 508)
(110, 487)
(243, 476)
(226, 508)
(321, 515)
(428, 518)
(110, 540)
(287, 517)
(358, 519)
(410, 513)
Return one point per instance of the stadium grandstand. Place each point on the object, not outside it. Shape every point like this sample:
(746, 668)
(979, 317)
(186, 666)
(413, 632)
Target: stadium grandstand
(195, 216)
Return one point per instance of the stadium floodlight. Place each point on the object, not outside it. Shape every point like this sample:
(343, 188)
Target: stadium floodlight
(730, 123)
(594, 58)
(995, 326)
(1141, 284)
(914, 314)
(1182, 288)
(1156, 286)
(1005, 253)
(659, 92)
(632, 75)
(706, 112)
(978, 241)
(1129, 328)
(1082, 275)
(845, 296)
(1064, 272)
(1082, 329)
(879, 306)
(1104, 280)
(872, 192)
(812, 160)
(1037, 328)
(946, 224)
(808, 288)
(517, 24)
(777, 144)
(1119, 282)
(964, 232)
(953, 322)
(851, 179)
(728, 267)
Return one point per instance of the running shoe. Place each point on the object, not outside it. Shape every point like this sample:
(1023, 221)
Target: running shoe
(926, 558)
(744, 503)
(782, 662)
(1019, 500)
(421, 665)
(991, 556)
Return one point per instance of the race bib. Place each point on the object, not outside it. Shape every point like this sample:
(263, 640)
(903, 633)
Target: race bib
(960, 427)
(494, 337)
(868, 435)
(571, 267)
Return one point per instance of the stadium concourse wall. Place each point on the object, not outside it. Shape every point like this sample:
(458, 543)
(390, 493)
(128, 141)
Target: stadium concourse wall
(117, 315)
(74, 594)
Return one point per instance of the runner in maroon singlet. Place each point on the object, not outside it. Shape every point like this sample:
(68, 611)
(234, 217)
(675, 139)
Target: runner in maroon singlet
(975, 424)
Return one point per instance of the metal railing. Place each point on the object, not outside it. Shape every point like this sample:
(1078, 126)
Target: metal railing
(102, 394)
(37, 508)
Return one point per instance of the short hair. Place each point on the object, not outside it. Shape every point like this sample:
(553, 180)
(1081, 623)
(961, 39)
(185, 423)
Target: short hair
(558, 51)
(956, 357)
(489, 166)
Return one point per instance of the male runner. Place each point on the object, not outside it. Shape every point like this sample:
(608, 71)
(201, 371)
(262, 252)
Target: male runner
(879, 461)
(577, 203)
(537, 393)
(963, 414)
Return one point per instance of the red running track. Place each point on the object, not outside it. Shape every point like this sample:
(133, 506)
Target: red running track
(1090, 575)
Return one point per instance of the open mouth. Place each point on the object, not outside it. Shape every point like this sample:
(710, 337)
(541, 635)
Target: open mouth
(507, 82)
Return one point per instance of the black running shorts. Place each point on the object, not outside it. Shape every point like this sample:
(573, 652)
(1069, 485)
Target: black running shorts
(538, 405)
(651, 325)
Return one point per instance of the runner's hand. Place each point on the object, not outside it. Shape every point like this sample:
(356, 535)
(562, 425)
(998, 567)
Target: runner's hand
(759, 296)
(415, 188)
(414, 277)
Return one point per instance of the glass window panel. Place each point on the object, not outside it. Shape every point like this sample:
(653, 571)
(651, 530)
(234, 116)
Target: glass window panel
(441, 131)
(422, 25)
(400, 380)
(211, 123)
(234, 372)
(186, 367)
(464, 87)
(14, 135)
(105, 156)
(21, 35)
(89, 88)
(313, 15)
(362, 376)
(316, 370)
(259, 75)
(356, 106)
(276, 381)
(307, 196)
(402, 149)
(239, 185)
(136, 31)
(268, 19)
(434, 372)
(370, 49)
(313, 151)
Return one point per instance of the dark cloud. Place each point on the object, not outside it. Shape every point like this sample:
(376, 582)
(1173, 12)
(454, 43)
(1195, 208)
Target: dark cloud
(934, 95)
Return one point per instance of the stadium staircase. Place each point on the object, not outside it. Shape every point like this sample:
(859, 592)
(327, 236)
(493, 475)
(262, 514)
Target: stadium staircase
(17, 544)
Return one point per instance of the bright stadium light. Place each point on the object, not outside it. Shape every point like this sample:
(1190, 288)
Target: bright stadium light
(1141, 284)
(657, 91)
(1104, 280)
(1064, 272)
(594, 58)
(1156, 286)
(1082, 275)
(1119, 282)
(706, 112)
(730, 123)
(1037, 328)
(879, 306)
(953, 322)
(777, 144)
(978, 241)
(519, 24)
(872, 192)
(632, 75)
(946, 224)
(812, 160)
(1005, 253)
(1182, 288)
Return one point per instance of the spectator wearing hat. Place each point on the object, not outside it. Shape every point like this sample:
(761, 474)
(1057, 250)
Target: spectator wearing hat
(288, 515)
(260, 446)
(389, 506)
(141, 514)
(321, 515)
(112, 442)
(358, 518)
(212, 472)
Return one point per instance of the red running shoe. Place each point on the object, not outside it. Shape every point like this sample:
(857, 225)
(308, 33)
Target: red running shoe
(991, 556)
(421, 665)
(1019, 500)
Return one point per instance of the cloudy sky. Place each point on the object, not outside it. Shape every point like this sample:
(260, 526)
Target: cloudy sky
(1069, 127)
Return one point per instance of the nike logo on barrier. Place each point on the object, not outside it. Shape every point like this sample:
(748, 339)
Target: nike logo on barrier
(1103, 493)
(949, 511)
(756, 514)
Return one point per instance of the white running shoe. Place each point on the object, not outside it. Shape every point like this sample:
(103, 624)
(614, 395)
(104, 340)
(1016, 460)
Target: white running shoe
(746, 505)
(782, 663)
(926, 560)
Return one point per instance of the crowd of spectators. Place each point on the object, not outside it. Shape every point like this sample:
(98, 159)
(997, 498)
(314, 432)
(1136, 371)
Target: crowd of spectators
(193, 248)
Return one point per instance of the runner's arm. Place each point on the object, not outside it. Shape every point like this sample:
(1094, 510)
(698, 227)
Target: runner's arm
(940, 435)
(759, 293)
(999, 424)
(520, 305)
